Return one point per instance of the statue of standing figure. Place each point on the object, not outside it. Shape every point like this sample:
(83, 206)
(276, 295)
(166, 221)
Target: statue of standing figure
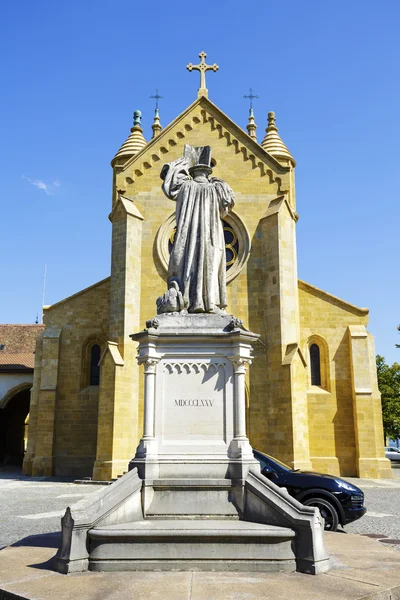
(197, 264)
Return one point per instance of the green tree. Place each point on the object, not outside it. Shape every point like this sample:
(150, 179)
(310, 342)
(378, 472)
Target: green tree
(389, 386)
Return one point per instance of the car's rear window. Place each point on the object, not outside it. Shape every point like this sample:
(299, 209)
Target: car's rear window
(274, 460)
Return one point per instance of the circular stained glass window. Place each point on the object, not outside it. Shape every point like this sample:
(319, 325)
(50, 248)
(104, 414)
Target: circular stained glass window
(231, 244)
(237, 243)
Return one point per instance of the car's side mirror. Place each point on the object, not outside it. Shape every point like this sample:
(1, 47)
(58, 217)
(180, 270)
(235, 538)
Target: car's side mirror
(269, 473)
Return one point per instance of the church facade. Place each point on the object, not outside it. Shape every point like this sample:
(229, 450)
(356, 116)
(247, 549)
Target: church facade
(312, 395)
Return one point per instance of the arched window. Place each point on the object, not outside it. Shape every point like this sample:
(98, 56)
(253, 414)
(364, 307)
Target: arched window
(315, 363)
(94, 365)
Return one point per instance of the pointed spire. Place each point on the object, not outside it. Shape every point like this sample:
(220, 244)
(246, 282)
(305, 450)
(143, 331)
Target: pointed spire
(135, 142)
(272, 142)
(156, 127)
(251, 125)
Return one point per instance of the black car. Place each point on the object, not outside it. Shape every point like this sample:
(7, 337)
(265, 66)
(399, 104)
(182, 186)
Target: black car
(338, 501)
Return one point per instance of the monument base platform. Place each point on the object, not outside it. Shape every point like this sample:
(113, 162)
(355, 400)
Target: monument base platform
(194, 497)
(273, 532)
(191, 544)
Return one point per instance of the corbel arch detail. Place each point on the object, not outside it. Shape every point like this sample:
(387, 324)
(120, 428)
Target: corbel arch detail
(147, 159)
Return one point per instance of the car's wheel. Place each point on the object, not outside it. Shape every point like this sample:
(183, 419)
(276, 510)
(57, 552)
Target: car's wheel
(327, 510)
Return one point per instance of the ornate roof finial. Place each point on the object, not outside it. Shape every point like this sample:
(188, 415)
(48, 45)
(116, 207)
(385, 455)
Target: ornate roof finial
(156, 127)
(157, 97)
(202, 67)
(251, 96)
(271, 122)
(272, 142)
(251, 125)
(135, 141)
(137, 118)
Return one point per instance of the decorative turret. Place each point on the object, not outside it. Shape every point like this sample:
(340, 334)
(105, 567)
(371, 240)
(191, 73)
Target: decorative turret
(156, 127)
(272, 142)
(251, 125)
(135, 141)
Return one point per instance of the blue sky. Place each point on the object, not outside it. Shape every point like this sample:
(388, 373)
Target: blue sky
(73, 72)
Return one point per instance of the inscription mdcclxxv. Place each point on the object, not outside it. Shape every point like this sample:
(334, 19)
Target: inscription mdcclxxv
(194, 402)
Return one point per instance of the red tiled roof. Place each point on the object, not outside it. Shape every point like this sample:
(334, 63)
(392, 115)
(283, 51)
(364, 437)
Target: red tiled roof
(16, 361)
(18, 342)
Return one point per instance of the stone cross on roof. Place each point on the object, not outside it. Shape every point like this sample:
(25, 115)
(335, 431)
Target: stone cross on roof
(202, 67)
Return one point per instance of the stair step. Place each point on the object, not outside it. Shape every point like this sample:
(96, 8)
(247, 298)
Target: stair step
(185, 544)
(189, 527)
(198, 517)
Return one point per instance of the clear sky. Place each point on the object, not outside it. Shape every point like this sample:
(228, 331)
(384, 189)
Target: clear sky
(73, 72)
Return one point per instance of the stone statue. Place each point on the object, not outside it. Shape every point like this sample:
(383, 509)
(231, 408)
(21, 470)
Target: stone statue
(197, 264)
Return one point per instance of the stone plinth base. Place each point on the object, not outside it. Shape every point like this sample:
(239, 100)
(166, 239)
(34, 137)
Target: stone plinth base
(325, 464)
(200, 545)
(108, 530)
(374, 468)
(194, 497)
(105, 470)
(194, 405)
(42, 466)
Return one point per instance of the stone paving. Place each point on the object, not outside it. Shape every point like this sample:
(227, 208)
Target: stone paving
(361, 569)
(382, 499)
(35, 505)
(32, 505)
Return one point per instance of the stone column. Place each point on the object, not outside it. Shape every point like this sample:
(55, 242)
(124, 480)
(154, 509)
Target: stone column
(281, 426)
(149, 397)
(147, 444)
(240, 446)
(117, 433)
(146, 457)
(239, 366)
(371, 462)
(33, 408)
(42, 463)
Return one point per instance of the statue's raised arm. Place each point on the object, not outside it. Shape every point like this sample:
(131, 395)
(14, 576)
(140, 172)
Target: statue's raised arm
(174, 174)
(197, 264)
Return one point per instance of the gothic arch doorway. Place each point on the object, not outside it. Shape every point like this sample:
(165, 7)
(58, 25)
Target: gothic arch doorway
(13, 427)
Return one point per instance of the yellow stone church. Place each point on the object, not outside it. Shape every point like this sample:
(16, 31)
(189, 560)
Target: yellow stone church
(312, 395)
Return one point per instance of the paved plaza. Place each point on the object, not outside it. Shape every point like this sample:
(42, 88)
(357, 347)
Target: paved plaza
(32, 505)
(361, 567)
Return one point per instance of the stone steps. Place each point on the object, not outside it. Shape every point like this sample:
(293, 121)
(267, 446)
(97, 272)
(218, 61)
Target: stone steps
(191, 544)
(190, 499)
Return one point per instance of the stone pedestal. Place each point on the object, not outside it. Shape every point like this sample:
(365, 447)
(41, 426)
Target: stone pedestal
(194, 497)
(194, 406)
(194, 454)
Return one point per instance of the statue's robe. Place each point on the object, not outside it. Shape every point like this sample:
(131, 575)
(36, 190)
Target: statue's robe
(197, 261)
